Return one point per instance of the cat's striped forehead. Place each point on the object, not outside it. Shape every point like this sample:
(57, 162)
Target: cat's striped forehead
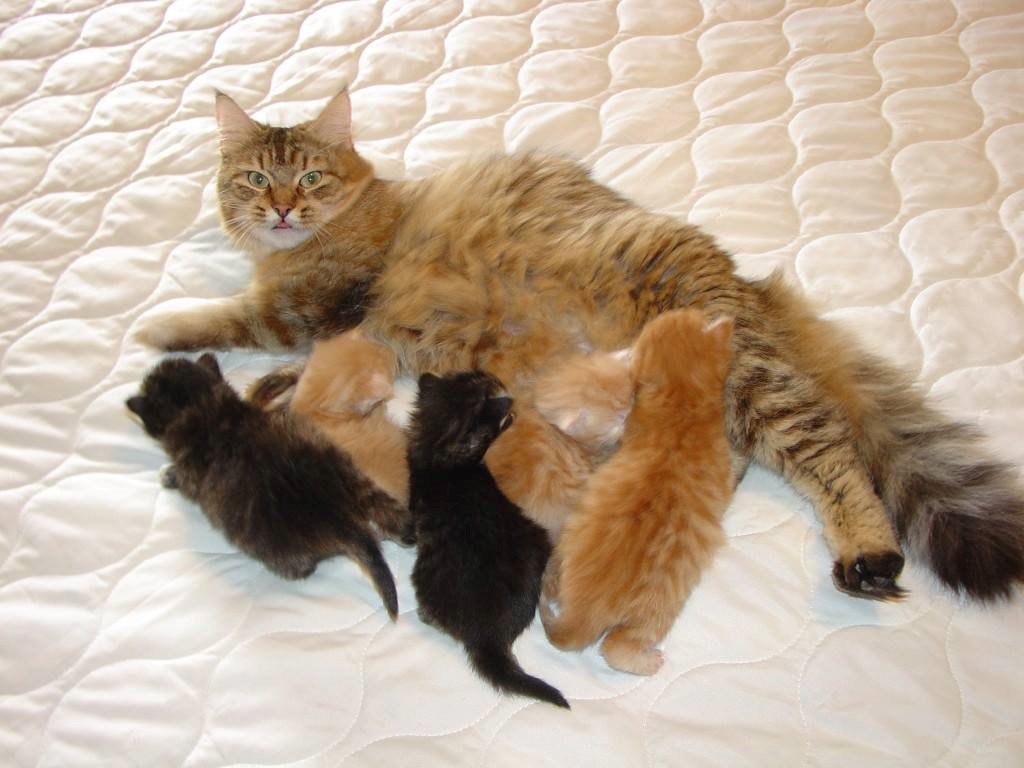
(282, 151)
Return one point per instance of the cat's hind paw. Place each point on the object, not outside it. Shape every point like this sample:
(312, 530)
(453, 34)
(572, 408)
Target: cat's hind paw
(872, 577)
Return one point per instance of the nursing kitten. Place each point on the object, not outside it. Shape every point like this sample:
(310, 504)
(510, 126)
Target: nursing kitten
(273, 484)
(543, 460)
(480, 561)
(343, 388)
(649, 521)
(508, 263)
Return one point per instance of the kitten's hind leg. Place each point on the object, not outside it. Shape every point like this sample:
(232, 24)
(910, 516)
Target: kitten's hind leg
(295, 568)
(631, 649)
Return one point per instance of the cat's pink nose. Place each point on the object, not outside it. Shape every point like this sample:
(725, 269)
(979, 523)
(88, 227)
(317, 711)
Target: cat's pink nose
(283, 210)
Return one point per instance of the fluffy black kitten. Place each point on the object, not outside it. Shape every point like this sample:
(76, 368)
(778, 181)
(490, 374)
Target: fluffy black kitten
(480, 561)
(280, 491)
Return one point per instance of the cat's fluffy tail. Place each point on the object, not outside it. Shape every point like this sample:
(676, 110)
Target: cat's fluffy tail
(956, 508)
(366, 552)
(497, 665)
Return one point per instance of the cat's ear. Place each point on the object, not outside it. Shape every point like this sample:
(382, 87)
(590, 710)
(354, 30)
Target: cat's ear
(233, 124)
(209, 362)
(720, 329)
(334, 125)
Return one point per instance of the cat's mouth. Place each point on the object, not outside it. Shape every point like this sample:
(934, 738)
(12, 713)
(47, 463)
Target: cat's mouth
(282, 224)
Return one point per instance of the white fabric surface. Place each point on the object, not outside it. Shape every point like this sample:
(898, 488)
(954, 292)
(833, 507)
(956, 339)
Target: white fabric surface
(873, 150)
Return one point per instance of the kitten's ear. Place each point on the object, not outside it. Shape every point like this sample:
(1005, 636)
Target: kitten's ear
(720, 329)
(136, 405)
(234, 125)
(209, 362)
(427, 380)
(334, 125)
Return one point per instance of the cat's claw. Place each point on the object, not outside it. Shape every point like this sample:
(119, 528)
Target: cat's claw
(870, 576)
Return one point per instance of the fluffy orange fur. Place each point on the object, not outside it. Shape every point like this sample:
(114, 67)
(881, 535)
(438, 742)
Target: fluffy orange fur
(543, 460)
(650, 518)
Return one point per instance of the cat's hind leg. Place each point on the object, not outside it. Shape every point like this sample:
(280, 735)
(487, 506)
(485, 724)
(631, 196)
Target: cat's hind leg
(785, 421)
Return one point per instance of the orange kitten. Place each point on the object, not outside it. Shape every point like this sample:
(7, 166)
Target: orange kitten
(344, 389)
(543, 460)
(649, 520)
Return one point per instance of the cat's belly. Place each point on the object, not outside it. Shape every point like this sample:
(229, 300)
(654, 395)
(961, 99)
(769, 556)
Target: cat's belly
(512, 329)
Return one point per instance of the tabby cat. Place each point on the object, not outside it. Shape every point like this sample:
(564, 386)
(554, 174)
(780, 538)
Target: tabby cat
(508, 263)
(649, 520)
(273, 484)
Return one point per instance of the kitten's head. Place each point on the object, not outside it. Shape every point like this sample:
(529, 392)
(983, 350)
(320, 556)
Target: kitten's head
(588, 397)
(457, 417)
(683, 346)
(278, 187)
(172, 385)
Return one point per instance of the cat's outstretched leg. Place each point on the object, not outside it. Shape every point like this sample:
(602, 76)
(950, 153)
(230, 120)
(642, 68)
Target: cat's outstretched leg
(782, 418)
(219, 324)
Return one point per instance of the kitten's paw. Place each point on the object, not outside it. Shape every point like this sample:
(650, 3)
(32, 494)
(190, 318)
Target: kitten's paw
(295, 570)
(870, 576)
(646, 662)
(408, 538)
(169, 477)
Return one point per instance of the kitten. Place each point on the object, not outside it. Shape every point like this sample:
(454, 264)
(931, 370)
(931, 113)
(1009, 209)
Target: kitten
(649, 519)
(278, 489)
(510, 262)
(542, 461)
(480, 561)
(344, 388)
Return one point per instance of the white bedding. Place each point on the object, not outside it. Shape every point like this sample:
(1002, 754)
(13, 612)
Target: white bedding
(871, 150)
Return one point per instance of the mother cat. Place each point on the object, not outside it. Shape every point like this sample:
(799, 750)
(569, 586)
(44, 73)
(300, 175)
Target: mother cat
(505, 263)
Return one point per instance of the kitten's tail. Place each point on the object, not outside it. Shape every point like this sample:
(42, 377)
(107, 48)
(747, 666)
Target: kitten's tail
(497, 665)
(956, 508)
(366, 552)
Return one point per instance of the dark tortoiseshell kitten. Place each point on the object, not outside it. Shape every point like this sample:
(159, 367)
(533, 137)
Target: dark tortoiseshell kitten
(480, 561)
(278, 489)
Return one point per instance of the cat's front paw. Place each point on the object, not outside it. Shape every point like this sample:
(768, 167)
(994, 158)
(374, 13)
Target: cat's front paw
(871, 576)
(170, 333)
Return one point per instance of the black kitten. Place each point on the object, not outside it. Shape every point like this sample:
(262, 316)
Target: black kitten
(480, 561)
(279, 491)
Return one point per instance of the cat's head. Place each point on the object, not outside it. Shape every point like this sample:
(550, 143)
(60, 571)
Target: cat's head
(588, 397)
(174, 384)
(278, 187)
(457, 417)
(683, 345)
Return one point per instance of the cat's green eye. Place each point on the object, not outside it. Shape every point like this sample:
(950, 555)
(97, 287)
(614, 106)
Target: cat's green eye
(258, 180)
(311, 179)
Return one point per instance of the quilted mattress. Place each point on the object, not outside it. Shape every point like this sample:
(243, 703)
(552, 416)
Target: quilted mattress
(871, 150)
